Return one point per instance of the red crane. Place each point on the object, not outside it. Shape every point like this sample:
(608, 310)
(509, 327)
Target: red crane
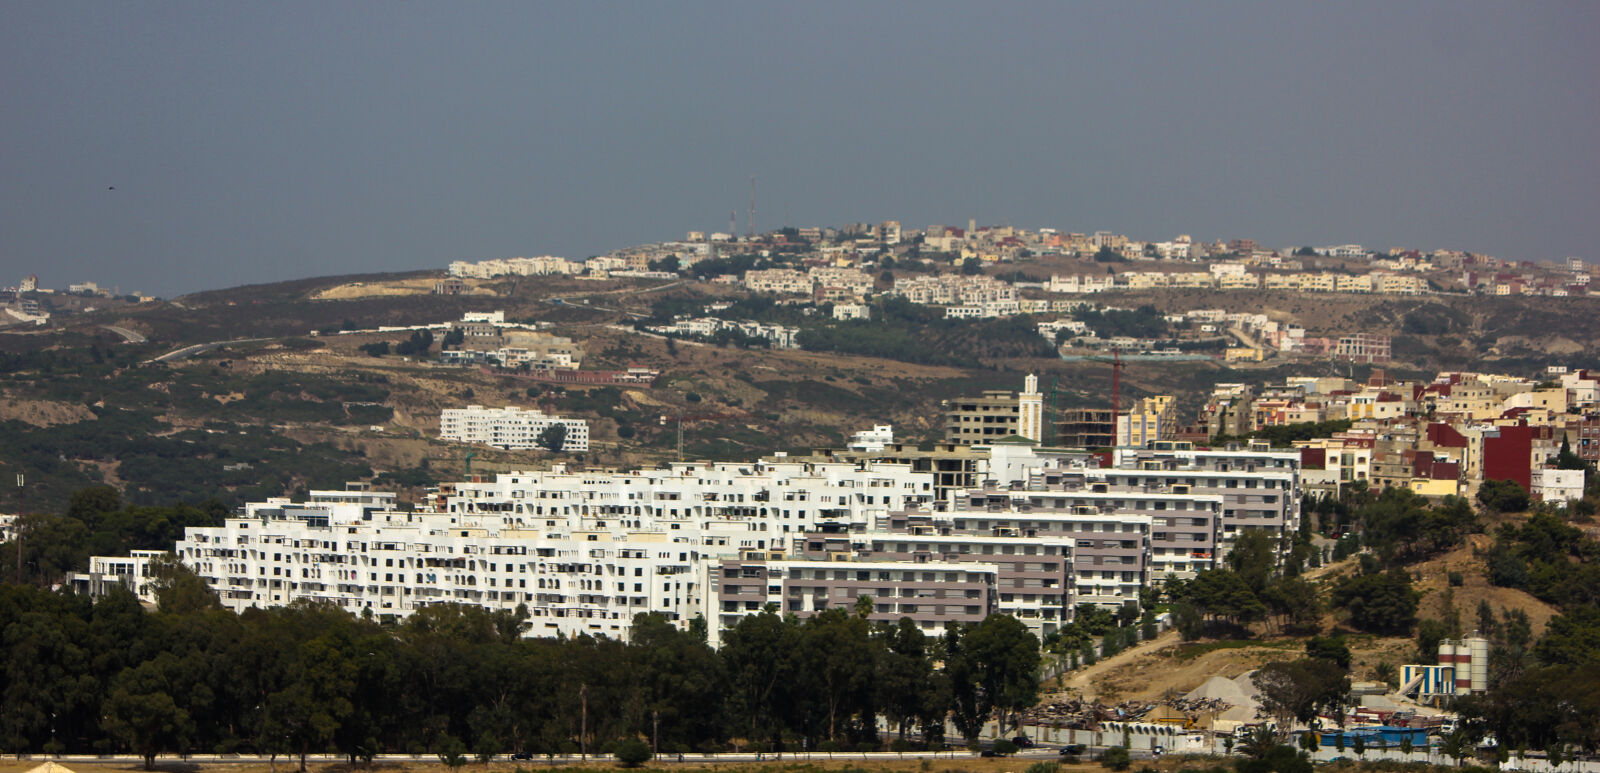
(1116, 386)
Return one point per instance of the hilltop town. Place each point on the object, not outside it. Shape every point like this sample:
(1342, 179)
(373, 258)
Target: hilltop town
(1283, 465)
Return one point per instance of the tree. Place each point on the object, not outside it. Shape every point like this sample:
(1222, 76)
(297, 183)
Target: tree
(1253, 558)
(1329, 648)
(1116, 758)
(553, 438)
(1567, 460)
(1295, 602)
(904, 674)
(141, 712)
(1386, 672)
(1295, 690)
(1458, 745)
(1006, 655)
(632, 752)
(1379, 603)
(452, 751)
(1503, 496)
(1258, 742)
(1222, 593)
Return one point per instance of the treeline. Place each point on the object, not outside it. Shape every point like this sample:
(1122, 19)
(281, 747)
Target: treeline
(1542, 695)
(1285, 435)
(96, 523)
(108, 676)
(913, 333)
(1143, 322)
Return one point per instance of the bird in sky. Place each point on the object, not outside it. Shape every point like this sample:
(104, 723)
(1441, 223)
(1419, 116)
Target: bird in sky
(112, 188)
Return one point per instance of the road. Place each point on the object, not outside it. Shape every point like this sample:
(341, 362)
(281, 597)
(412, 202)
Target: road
(190, 351)
(694, 759)
(561, 300)
(128, 336)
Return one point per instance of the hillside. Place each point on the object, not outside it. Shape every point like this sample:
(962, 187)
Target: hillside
(305, 410)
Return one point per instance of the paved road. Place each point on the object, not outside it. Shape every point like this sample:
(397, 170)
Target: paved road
(128, 336)
(190, 351)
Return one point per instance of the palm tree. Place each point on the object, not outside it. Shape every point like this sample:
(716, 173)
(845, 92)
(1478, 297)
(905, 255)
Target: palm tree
(1259, 742)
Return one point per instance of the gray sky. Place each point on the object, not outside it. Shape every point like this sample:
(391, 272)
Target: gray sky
(254, 142)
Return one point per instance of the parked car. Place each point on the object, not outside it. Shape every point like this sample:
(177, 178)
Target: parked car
(1023, 742)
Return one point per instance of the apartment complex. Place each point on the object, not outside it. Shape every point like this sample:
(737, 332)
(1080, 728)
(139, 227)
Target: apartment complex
(510, 428)
(1028, 532)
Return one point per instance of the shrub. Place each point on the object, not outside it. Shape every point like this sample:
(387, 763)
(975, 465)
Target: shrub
(1043, 767)
(1004, 747)
(632, 752)
(1116, 758)
(452, 751)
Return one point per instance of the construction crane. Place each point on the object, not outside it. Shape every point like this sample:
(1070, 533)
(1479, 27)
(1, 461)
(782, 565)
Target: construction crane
(683, 417)
(1115, 360)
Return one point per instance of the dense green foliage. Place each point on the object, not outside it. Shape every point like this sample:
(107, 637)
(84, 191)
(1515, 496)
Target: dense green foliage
(1143, 322)
(1504, 496)
(1548, 558)
(1542, 696)
(109, 676)
(1382, 603)
(97, 523)
(908, 332)
(1285, 435)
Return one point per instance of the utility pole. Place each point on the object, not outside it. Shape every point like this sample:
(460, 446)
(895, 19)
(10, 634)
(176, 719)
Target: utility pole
(20, 481)
(583, 722)
(655, 732)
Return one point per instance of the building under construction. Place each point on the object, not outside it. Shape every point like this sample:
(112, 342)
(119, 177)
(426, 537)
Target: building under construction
(1086, 428)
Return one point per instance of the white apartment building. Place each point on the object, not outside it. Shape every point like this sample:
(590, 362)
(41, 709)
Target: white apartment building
(778, 280)
(487, 269)
(777, 336)
(584, 551)
(510, 428)
(848, 311)
(850, 280)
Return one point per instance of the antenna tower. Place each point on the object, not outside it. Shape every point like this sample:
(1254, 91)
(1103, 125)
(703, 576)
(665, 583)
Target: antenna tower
(733, 224)
(750, 225)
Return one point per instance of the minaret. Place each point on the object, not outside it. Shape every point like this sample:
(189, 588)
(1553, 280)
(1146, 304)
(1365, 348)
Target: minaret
(1030, 410)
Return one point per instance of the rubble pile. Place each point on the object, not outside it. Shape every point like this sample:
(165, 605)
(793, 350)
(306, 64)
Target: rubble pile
(1077, 714)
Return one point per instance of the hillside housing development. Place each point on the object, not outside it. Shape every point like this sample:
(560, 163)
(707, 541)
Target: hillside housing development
(583, 552)
(510, 428)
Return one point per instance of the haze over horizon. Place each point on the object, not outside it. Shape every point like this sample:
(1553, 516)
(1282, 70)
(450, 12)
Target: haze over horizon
(262, 142)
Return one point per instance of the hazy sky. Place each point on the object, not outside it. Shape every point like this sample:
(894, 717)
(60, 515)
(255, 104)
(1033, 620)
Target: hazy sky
(253, 142)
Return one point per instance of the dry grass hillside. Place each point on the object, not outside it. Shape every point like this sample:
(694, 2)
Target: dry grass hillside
(1167, 664)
